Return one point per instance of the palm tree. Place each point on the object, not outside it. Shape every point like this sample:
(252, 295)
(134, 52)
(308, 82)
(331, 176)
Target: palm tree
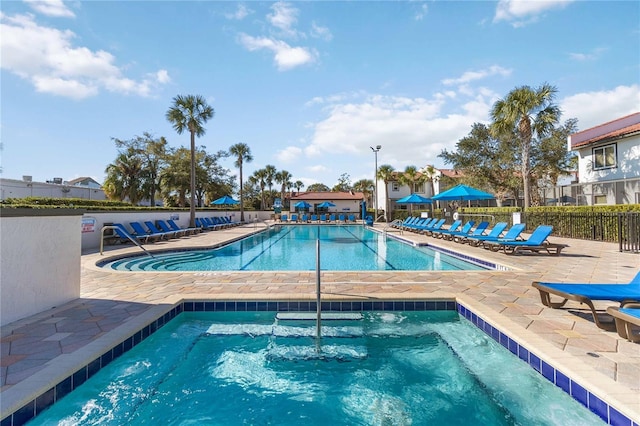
(123, 177)
(190, 112)
(431, 174)
(260, 177)
(283, 177)
(366, 186)
(386, 173)
(242, 152)
(270, 175)
(526, 112)
(298, 185)
(411, 177)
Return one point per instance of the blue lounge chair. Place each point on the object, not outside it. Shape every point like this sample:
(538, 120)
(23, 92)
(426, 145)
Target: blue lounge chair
(513, 234)
(476, 232)
(138, 229)
(455, 226)
(435, 227)
(125, 235)
(294, 218)
(341, 218)
(332, 218)
(304, 218)
(154, 230)
(586, 293)
(323, 218)
(164, 227)
(496, 231)
(408, 221)
(284, 218)
(627, 321)
(203, 225)
(536, 243)
(211, 225)
(416, 224)
(314, 218)
(175, 227)
(466, 228)
(352, 218)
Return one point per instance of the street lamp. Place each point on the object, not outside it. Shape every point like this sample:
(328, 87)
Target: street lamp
(375, 180)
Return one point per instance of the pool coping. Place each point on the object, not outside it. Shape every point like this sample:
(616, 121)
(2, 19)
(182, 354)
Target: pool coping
(610, 401)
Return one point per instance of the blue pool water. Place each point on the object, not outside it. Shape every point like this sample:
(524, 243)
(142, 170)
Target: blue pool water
(389, 368)
(293, 248)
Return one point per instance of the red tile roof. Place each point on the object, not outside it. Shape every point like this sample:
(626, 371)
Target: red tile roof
(616, 129)
(327, 196)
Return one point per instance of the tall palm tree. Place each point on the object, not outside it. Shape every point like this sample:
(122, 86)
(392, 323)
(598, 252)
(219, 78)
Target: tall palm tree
(298, 185)
(260, 177)
(411, 177)
(283, 177)
(190, 112)
(123, 177)
(527, 112)
(366, 186)
(431, 175)
(386, 173)
(242, 152)
(270, 176)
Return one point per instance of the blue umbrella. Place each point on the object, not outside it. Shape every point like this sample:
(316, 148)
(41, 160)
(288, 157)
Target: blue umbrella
(462, 192)
(302, 205)
(226, 200)
(413, 199)
(326, 204)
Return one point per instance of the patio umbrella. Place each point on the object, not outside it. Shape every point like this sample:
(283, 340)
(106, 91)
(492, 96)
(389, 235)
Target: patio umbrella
(326, 204)
(300, 205)
(413, 199)
(462, 192)
(225, 201)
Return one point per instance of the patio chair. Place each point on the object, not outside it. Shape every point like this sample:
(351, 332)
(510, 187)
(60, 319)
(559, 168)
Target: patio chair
(453, 227)
(154, 230)
(314, 218)
(139, 230)
(627, 321)
(284, 218)
(294, 217)
(332, 218)
(513, 234)
(418, 223)
(341, 218)
(352, 218)
(448, 234)
(164, 227)
(586, 293)
(434, 227)
(126, 236)
(479, 230)
(175, 227)
(323, 218)
(495, 233)
(536, 243)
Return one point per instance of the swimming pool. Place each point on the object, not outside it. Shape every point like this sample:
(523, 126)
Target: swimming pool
(293, 248)
(395, 368)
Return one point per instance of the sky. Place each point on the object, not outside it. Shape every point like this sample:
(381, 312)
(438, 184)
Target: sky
(309, 86)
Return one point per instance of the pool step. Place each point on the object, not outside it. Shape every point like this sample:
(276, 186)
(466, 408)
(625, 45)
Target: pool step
(324, 316)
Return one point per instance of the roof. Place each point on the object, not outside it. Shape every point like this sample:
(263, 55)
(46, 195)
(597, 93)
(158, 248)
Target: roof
(327, 196)
(455, 174)
(83, 181)
(620, 128)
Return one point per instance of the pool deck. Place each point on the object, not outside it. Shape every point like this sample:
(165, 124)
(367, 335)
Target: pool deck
(38, 351)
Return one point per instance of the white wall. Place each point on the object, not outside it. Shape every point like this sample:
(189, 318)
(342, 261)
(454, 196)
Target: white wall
(39, 263)
(12, 188)
(628, 162)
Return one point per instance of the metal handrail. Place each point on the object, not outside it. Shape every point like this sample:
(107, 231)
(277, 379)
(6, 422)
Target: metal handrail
(127, 236)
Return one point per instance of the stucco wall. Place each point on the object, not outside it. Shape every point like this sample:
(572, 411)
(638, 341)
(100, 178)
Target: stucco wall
(39, 263)
(628, 162)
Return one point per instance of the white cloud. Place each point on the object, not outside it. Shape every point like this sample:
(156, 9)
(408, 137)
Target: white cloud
(422, 11)
(593, 55)
(284, 17)
(48, 59)
(318, 168)
(318, 31)
(289, 154)
(594, 108)
(286, 57)
(55, 8)
(240, 13)
(522, 12)
(470, 76)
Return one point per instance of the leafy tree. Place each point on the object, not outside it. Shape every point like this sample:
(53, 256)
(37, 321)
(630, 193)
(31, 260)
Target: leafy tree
(411, 177)
(242, 153)
(318, 187)
(190, 112)
(283, 177)
(152, 153)
(366, 186)
(123, 177)
(527, 113)
(176, 178)
(270, 175)
(260, 179)
(386, 173)
(298, 185)
(344, 183)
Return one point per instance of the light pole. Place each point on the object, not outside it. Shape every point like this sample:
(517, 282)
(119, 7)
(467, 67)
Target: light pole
(375, 181)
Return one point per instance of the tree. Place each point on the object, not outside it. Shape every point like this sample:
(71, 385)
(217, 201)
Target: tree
(526, 112)
(123, 177)
(190, 112)
(318, 187)
(152, 153)
(242, 153)
(431, 175)
(386, 173)
(366, 186)
(176, 178)
(411, 177)
(283, 177)
(260, 177)
(270, 175)
(344, 183)
(298, 185)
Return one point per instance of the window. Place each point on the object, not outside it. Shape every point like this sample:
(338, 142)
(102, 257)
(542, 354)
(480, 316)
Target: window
(604, 157)
(395, 187)
(418, 188)
(600, 199)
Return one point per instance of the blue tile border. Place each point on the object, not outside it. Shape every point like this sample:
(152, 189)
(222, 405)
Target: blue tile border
(592, 402)
(581, 394)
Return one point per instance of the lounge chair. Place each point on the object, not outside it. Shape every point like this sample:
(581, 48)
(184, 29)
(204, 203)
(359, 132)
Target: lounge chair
(455, 226)
(294, 218)
(341, 218)
(513, 234)
(495, 233)
(138, 229)
(435, 227)
(323, 218)
(175, 227)
(479, 230)
(448, 234)
(164, 227)
(126, 236)
(418, 223)
(314, 218)
(154, 230)
(408, 220)
(627, 321)
(536, 243)
(215, 226)
(284, 218)
(332, 218)
(305, 218)
(585, 293)
(352, 218)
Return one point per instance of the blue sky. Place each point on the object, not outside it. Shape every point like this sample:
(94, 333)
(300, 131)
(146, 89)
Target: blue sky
(309, 86)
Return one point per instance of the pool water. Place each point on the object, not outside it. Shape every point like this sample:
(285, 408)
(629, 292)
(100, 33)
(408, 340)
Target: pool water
(293, 248)
(389, 368)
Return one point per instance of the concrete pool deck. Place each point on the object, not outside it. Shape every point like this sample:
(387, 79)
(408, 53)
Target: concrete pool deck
(36, 352)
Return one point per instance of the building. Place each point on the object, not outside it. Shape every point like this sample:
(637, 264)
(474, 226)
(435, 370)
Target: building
(608, 162)
(84, 187)
(344, 202)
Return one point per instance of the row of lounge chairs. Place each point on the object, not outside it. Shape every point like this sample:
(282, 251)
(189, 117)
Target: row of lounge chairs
(314, 218)
(150, 231)
(626, 317)
(494, 239)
